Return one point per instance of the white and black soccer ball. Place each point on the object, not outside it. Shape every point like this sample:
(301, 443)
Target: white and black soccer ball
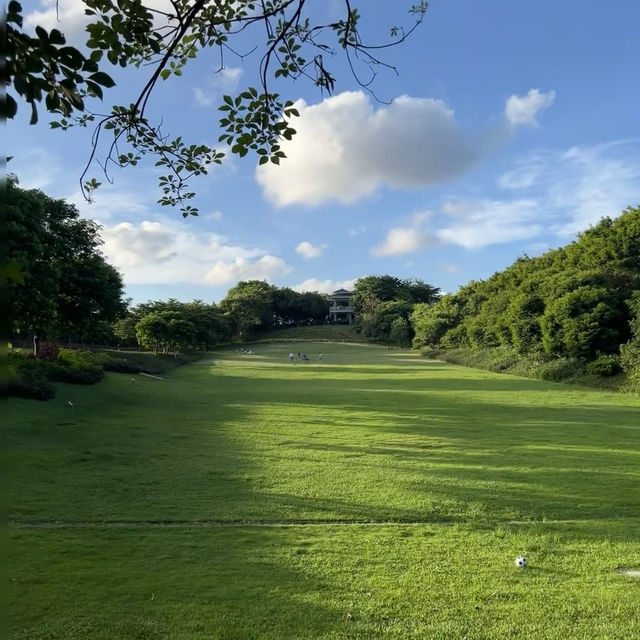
(521, 562)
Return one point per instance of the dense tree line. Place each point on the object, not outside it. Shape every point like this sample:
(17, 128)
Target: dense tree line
(59, 285)
(62, 289)
(579, 301)
(255, 305)
(383, 306)
(171, 326)
(248, 308)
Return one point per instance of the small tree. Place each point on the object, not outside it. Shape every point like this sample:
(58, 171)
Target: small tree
(152, 331)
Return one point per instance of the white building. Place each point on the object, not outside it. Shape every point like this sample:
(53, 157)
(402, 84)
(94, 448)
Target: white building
(341, 307)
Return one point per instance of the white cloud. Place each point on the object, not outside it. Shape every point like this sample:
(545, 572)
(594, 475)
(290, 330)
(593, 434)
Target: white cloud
(448, 267)
(202, 98)
(307, 250)
(68, 16)
(323, 286)
(131, 246)
(525, 174)
(478, 223)
(345, 149)
(264, 268)
(167, 251)
(577, 187)
(223, 80)
(560, 193)
(36, 168)
(522, 110)
(228, 77)
(403, 240)
(408, 239)
(589, 183)
(214, 215)
(356, 232)
(111, 202)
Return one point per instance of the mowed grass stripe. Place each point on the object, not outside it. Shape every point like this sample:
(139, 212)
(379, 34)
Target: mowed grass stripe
(158, 524)
(258, 438)
(266, 583)
(373, 494)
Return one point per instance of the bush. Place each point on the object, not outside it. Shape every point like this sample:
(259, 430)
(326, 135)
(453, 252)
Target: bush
(78, 359)
(48, 350)
(33, 389)
(562, 369)
(605, 365)
(78, 367)
(75, 375)
(27, 378)
(120, 365)
(630, 362)
(137, 362)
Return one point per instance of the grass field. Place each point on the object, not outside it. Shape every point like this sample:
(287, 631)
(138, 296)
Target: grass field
(374, 494)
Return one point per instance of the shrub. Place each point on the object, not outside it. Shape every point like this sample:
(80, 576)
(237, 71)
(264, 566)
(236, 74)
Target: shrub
(75, 375)
(27, 378)
(120, 365)
(605, 365)
(48, 350)
(77, 358)
(76, 367)
(630, 362)
(562, 369)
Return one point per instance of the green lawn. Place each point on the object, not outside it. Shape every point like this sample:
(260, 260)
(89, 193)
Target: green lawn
(373, 494)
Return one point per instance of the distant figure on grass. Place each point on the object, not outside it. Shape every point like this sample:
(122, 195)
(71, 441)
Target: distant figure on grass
(291, 355)
(320, 357)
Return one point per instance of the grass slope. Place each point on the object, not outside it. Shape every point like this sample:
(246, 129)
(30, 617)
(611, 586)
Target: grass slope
(373, 494)
(324, 332)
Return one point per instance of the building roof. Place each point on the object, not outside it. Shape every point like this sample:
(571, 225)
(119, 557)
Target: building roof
(342, 292)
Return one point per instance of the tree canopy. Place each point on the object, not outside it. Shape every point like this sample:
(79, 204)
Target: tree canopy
(579, 301)
(66, 289)
(285, 36)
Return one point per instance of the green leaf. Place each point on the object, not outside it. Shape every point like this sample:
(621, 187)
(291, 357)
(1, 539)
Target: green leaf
(8, 107)
(102, 78)
(95, 89)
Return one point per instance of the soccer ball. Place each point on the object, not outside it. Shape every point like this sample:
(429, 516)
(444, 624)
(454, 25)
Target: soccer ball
(521, 562)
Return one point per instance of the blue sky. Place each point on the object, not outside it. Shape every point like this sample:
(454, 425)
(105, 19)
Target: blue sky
(511, 127)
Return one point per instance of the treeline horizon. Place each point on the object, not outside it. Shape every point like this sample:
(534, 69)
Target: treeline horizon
(580, 301)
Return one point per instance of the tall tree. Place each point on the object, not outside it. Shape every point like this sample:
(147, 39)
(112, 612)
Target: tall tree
(69, 289)
(250, 307)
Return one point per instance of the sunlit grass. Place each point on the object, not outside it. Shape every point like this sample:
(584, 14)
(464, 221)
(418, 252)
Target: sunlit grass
(439, 475)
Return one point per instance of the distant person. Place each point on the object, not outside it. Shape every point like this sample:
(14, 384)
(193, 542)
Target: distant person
(320, 357)
(290, 355)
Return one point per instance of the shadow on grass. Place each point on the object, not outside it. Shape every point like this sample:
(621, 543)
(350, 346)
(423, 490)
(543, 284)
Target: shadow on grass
(233, 448)
(165, 583)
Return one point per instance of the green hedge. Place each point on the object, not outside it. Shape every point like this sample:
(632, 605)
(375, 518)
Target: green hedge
(27, 378)
(602, 372)
(30, 377)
